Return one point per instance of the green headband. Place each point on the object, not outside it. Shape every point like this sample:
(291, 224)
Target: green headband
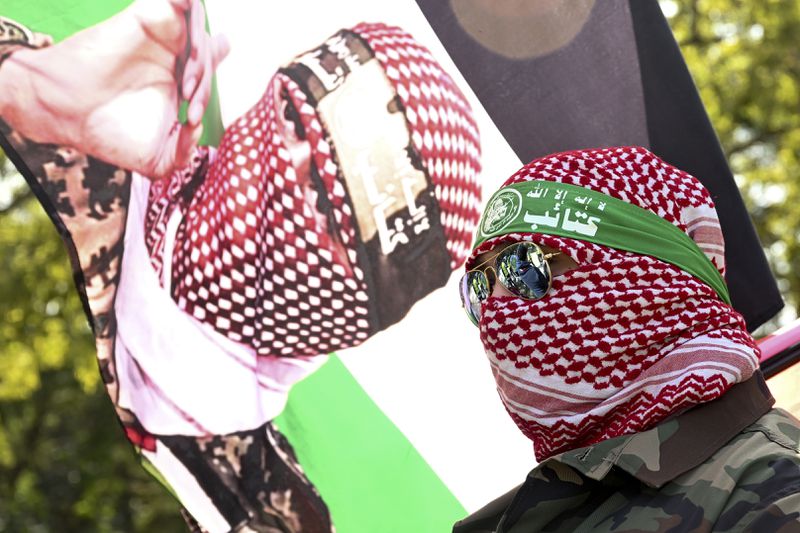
(579, 213)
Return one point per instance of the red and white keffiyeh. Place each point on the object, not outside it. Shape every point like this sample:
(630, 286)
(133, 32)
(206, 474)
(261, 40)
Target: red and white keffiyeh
(624, 340)
(253, 257)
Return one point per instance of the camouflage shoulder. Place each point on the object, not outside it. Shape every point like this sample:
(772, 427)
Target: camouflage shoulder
(782, 515)
(763, 465)
(781, 427)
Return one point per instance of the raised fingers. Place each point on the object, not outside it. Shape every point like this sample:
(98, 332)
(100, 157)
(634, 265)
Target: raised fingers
(205, 54)
(196, 36)
(220, 48)
(188, 137)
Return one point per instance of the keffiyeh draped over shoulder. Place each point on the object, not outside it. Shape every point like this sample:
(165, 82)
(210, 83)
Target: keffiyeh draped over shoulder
(624, 341)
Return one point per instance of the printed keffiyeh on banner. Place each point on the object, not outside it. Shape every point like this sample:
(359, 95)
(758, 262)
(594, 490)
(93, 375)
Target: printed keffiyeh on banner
(624, 340)
(355, 171)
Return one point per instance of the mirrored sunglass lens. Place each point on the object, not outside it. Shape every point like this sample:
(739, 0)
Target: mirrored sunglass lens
(474, 291)
(524, 270)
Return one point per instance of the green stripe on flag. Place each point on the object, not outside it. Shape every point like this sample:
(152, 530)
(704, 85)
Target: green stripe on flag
(61, 19)
(369, 474)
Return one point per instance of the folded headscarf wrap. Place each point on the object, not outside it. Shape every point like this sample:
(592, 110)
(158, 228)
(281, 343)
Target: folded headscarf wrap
(625, 340)
(348, 192)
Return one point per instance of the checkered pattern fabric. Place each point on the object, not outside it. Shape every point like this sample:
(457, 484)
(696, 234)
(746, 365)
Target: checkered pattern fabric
(265, 260)
(164, 195)
(624, 340)
(443, 129)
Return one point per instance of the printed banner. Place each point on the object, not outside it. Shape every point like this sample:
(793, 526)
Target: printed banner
(266, 250)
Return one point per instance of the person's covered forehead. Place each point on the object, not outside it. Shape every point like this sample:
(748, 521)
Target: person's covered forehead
(629, 173)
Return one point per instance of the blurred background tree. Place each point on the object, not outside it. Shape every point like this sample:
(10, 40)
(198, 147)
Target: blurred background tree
(64, 463)
(745, 59)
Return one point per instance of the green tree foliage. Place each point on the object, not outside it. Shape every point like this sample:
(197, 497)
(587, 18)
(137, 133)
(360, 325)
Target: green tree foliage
(64, 463)
(745, 60)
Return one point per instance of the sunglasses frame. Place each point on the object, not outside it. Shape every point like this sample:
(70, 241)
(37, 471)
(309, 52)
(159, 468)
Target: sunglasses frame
(493, 266)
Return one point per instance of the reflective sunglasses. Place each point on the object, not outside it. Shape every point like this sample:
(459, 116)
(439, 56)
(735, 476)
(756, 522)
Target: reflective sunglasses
(522, 268)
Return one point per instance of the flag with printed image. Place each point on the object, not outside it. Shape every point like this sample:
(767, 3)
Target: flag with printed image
(303, 363)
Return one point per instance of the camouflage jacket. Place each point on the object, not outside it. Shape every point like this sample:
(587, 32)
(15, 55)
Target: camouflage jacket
(729, 465)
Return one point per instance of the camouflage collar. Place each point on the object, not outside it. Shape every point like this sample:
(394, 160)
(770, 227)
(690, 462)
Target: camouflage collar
(673, 447)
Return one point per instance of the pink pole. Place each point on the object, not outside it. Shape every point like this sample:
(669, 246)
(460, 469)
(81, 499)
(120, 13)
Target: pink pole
(781, 340)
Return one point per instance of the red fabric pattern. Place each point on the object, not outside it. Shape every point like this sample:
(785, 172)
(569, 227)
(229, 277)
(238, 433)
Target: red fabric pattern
(443, 129)
(624, 340)
(254, 256)
(253, 260)
(642, 413)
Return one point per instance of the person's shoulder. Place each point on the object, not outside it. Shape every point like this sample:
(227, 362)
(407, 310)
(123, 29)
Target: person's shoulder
(779, 427)
(757, 474)
(772, 441)
(748, 482)
(775, 436)
(770, 454)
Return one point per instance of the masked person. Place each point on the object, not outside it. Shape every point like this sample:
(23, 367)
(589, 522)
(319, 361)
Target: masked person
(596, 282)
